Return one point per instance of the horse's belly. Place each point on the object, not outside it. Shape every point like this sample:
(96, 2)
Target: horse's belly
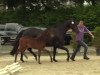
(36, 45)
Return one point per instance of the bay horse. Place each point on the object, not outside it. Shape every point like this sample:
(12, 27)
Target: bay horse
(34, 33)
(35, 43)
(59, 32)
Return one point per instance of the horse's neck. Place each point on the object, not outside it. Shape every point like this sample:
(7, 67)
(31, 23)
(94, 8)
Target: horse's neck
(63, 28)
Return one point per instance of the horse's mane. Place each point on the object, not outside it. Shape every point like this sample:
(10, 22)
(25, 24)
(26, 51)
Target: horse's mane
(58, 24)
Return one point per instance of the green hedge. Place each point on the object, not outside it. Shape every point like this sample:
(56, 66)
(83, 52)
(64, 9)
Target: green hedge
(47, 18)
(96, 40)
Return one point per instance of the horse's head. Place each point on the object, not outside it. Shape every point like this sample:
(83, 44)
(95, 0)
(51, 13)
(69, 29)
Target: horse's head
(73, 26)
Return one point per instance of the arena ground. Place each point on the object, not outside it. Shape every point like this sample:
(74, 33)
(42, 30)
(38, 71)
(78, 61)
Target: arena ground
(62, 67)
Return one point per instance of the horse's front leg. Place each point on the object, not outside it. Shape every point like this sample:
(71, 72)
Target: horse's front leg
(49, 54)
(54, 53)
(39, 54)
(68, 55)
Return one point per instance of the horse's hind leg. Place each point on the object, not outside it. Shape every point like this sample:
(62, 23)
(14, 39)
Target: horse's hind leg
(22, 57)
(68, 55)
(16, 55)
(49, 54)
(30, 50)
(54, 53)
(39, 54)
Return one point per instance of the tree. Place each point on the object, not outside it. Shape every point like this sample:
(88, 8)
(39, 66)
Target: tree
(78, 2)
(94, 2)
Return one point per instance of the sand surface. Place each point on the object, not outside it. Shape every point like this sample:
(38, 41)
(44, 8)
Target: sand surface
(62, 67)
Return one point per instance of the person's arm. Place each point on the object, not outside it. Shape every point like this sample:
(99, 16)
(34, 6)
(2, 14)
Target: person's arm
(89, 32)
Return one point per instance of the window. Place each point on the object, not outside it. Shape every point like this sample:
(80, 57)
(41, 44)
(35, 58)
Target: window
(2, 27)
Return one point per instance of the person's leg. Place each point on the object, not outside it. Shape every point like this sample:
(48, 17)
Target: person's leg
(85, 49)
(75, 51)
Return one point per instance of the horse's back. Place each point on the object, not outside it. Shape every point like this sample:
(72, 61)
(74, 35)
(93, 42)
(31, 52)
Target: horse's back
(32, 32)
(31, 42)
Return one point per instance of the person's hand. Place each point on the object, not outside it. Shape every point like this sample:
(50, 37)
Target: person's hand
(93, 36)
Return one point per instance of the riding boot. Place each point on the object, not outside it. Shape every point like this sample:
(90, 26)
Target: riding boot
(85, 55)
(74, 54)
(73, 57)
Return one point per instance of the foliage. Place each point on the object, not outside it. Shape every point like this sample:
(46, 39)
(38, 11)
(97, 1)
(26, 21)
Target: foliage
(43, 4)
(73, 41)
(96, 40)
(26, 17)
(89, 15)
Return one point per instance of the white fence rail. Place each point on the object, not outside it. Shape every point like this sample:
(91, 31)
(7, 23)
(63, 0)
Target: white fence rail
(10, 69)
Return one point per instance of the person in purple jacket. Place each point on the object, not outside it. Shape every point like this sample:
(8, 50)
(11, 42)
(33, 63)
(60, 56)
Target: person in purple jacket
(79, 39)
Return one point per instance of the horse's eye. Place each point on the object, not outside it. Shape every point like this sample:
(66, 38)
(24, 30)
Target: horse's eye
(72, 22)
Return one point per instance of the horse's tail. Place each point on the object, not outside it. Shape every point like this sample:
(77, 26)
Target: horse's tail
(16, 43)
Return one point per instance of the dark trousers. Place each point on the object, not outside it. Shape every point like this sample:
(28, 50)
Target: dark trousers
(79, 44)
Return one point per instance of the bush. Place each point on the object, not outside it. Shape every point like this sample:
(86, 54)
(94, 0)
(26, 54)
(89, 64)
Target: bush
(73, 41)
(96, 40)
(47, 18)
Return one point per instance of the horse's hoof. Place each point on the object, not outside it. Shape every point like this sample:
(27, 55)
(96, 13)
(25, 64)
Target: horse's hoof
(36, 58)
(72, 59)
(51, 60)
(67, 59)
(11, 54)
(23, 61)
(40, 63)
(55, 60)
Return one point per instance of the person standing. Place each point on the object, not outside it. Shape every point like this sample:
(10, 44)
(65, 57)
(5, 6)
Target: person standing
(80, 40)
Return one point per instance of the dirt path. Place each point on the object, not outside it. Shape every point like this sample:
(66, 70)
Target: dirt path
(79, 67)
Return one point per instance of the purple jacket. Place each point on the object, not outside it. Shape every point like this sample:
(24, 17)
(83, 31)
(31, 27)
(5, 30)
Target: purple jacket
(80, 35)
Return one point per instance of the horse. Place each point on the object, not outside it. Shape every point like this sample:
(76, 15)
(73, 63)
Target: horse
(36, 43)
(34, 34)
(59, 32)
